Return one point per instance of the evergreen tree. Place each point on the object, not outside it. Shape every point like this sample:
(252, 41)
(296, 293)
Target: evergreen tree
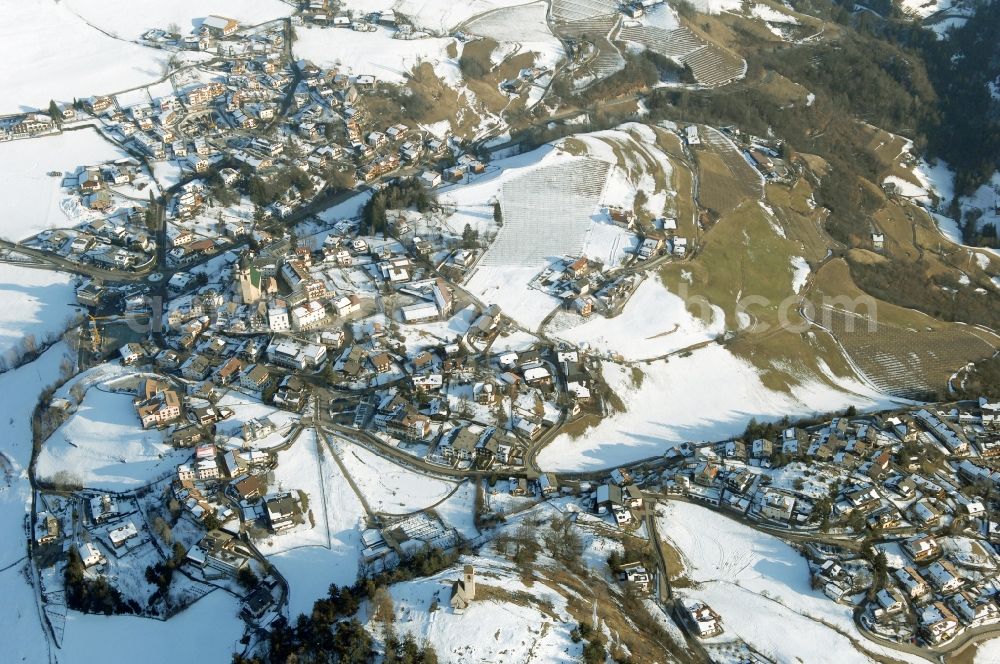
(55, 113)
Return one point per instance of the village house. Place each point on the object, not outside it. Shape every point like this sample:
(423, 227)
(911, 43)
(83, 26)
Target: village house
(282, 510)
(921, 549)
(220, 26)
(702, 620)
(256, 379)
(912, 583)
(156, 404)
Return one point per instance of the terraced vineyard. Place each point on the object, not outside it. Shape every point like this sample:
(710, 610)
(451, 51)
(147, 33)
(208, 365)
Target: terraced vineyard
(711, 66)
(727, 180)
(547, 213)
(576, 10)
(596, 29)
(906, 362)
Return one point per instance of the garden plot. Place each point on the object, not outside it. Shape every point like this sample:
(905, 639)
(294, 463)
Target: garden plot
(501, 625)
(424, 336)
(36, 70)
(655, 322)
(375, 53)
(760, 587)
(670, 402)
(906, 362)
(120, 18)
(40, 202)
(103, 446)
(388, 487)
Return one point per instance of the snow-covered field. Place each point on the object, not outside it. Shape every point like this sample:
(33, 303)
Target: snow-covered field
(35, 302)
(508, 288)
(119, 18)
(988, 652)
(682, 400)
(375, 53)
(457, 510)
(207, 631)
(525, 25)
(18, 617)
(51, 53)
(433, 15)
(24, 168)
(800, 273)
(539, 229)
(388, 487)
(939, 179)
(760, 587)
(313, 559)
(103, 446)
(716, 6)
(489, 630)
(653, 323)
(245, 409)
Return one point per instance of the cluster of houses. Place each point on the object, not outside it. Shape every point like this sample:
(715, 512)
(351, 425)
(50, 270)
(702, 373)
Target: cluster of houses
(585, 287)
(920, 481)
(208, 129)
(107, 227)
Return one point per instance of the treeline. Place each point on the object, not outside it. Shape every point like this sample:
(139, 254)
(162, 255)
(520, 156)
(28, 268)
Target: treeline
(264, 192)
(981, 379)
(398, 195)
(641, 72)
(329, 633)
(967, 134)
(908, 284)
(961, 124)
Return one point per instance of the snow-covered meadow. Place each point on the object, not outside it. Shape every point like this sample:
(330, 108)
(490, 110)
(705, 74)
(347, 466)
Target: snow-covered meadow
(18, 616)
(119, 18)
(103, 446)
(683, 400)
(388, 487)
(375, 53)
(496, 627)
(39, 67)
(653, 323)
(38, 303)
(313, 557)
(40, 202)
